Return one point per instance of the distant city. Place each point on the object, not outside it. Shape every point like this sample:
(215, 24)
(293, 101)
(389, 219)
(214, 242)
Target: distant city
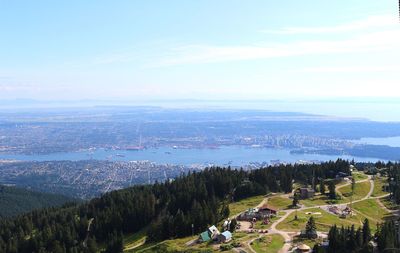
(89, 151)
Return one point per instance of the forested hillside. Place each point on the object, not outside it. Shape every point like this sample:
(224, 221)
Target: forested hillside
(168, 209)
(14, 201)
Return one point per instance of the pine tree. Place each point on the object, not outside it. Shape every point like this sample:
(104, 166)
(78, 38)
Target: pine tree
(366, 232)
(322, 186)
(232, 227)
(332, 190)
(358, 238)
(225, 211)
(311, 228)
(351, 236)
(295, 201)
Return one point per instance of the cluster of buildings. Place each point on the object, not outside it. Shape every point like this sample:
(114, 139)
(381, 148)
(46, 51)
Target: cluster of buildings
(305, 193)
(261, 213)
(213, 234)
(341, 212)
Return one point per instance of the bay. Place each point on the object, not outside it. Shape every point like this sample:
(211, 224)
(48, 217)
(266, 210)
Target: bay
(223, 156)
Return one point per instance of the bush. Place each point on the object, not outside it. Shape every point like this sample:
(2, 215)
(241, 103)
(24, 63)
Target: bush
(236, 244)
(225, 247)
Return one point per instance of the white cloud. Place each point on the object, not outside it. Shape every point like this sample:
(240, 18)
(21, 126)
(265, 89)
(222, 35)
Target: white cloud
(368, 42)
(364, 24)
(351, 69)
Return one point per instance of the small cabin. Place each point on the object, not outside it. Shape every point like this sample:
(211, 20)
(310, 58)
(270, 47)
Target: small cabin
(225, 237)
(267, 210)
(250, 214)
(204, 237)
(213, 232)
(306, 193)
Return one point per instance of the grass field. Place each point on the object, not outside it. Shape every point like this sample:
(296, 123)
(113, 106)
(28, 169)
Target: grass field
(378, 189)
(268, 244)
(358, 176)
(318, 200)
(259, 224)
(135, 239)
(361, 190)
(279, 202)
(323, 221)
(309, 242)
(389, 204)
(371, 209)
(176, 245)
(244, 204)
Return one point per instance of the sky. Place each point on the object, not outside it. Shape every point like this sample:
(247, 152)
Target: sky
(205, 49)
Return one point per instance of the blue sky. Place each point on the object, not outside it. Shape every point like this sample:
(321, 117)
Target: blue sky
(226, 49)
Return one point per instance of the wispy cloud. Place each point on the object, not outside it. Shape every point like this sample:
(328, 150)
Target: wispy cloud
(367, 42)
(351, 69)
(364, 24)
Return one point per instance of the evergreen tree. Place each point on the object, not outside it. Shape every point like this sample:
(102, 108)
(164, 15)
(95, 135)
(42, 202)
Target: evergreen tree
(115, 244)
(322, 188)
(232, 227)
(311, 228)
(366, 232)
(358, 238)
(225, 211)
(332, 190)
(295, 201)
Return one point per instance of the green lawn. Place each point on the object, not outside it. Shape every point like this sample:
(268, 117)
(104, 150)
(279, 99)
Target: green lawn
(318, 200)
(244, 204)
(135, 239)
(378, 189)
(361, 190)
(279, 202)
(389, 204)
(259, 224)
(358, 176)
(371, 209)
(324, 220)
(309, 242)
(268, 244)
(176, 245)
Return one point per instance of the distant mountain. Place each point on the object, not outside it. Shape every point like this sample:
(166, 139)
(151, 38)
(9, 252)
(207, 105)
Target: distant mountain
(14, 201)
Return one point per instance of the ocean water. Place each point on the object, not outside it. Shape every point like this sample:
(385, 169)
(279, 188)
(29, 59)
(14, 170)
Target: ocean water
(223, 156)
(388, 141)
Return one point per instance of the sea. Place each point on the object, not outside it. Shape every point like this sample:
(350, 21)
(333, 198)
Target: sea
(222, 156)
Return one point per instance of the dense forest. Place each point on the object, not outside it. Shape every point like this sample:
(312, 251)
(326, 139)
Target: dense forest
(15, 200)
(168, 209)
(394, 181)
(351, 240)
